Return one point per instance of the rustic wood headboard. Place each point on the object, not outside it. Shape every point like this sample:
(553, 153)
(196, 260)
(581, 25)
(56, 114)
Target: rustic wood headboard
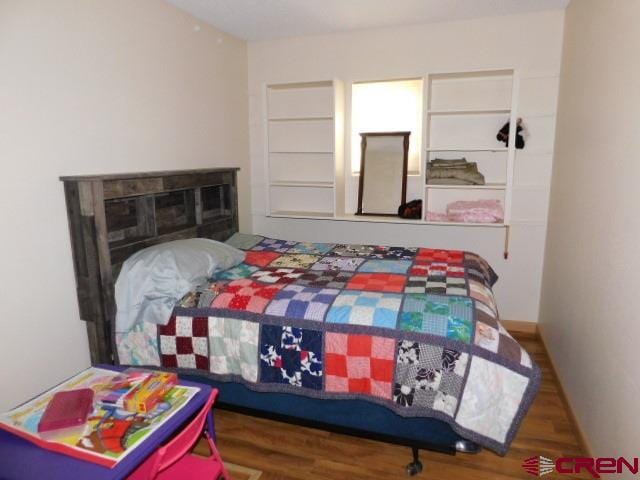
(113, 216)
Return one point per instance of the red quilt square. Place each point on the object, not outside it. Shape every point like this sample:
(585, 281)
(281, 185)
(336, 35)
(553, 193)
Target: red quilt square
(360, 364)
(377, 282)
(170, 361)
(456, 271)
(245, 294)
(360, 385)
(358, 345)
(202, 362)
(200, 326)
(169, 328)
(260, 259)
(419, 271)
(336, 364)
(435, 255)
(382, 370)
(184, 345)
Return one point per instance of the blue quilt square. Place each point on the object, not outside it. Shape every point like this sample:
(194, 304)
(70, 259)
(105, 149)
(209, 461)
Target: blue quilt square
(365, 308)
(385, 266)
(274, 245)
(291, 356)
(312, 248)
(300, 302)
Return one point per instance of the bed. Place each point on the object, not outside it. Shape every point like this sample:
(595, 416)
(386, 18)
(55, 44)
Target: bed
(391, 343)
(412, 330)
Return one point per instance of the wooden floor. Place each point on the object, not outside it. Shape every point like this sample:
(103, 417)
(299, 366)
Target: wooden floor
(289, 452)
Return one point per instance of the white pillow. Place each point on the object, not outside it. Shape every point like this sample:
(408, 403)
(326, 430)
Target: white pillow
(154, 279)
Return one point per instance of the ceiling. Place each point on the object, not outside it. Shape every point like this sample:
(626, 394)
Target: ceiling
(269, 19)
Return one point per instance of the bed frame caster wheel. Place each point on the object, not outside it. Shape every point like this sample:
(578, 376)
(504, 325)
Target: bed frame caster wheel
(414, 468)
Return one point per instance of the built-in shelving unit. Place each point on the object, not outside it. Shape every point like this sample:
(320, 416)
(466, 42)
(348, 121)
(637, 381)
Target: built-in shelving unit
(305, 149)
(463, 113)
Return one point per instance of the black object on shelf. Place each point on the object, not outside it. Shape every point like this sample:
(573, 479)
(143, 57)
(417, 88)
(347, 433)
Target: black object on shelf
(503, 134)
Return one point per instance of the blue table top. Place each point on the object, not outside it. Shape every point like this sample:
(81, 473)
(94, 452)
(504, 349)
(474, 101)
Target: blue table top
(21, 459)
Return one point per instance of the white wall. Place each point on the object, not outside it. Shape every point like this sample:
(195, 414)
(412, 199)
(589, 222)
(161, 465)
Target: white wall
(96, 86)
(531, 43)
(590, 301)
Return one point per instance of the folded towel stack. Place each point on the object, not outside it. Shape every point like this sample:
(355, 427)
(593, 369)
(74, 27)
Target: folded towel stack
(474, 211)
(453, 172)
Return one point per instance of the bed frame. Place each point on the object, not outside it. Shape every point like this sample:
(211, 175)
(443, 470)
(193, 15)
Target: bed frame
(113, 216)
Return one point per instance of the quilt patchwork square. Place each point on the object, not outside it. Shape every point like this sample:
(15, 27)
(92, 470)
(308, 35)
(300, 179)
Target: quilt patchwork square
(359, 364)
(394, 253)
(483, 294)
(344, 264)
(419, 270)
(245, 294)
(429, 376)
(429, 255)
(352, 250)
(324, 279)
(365, 308)
(260, 259)
(305, 303)
(495, 338)
(487, 384)
(239, 271)
(445, 316)
(233, 347)
(441, 278)
(377, 282)
(244, 241)
(416, 284)
(184, 343)
(273, 245)
(277, 275)
(311, 248)
(291, 356)
(385, 266)
(480, 268)
(295, 260)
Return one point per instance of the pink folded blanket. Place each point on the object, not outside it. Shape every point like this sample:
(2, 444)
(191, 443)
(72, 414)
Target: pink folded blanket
(474, 211)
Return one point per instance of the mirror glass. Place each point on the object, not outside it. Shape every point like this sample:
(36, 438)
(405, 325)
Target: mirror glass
(383, 173)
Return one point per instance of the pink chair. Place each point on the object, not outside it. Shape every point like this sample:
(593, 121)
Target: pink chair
(175, 460)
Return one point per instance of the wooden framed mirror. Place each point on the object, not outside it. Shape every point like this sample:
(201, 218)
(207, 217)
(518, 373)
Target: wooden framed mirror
(383, 172)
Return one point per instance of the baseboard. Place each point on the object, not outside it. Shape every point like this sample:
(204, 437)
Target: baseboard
(519, 326)
(582, 438)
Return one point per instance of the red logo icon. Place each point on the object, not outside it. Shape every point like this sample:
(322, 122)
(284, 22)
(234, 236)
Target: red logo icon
(538, 466)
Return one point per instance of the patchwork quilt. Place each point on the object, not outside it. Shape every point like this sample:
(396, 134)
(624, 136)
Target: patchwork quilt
(414, 329)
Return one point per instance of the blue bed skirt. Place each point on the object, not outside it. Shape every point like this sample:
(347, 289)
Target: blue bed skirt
(355, 417)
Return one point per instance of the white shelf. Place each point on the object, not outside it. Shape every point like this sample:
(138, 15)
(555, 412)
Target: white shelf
(466, 224)
(464, 112)
(300, 151)
(376, 219)
(505, 111)
(488, 186)
(468, 149)
(299, 119)
(303, 149)
(300, 214)
(296, 183)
